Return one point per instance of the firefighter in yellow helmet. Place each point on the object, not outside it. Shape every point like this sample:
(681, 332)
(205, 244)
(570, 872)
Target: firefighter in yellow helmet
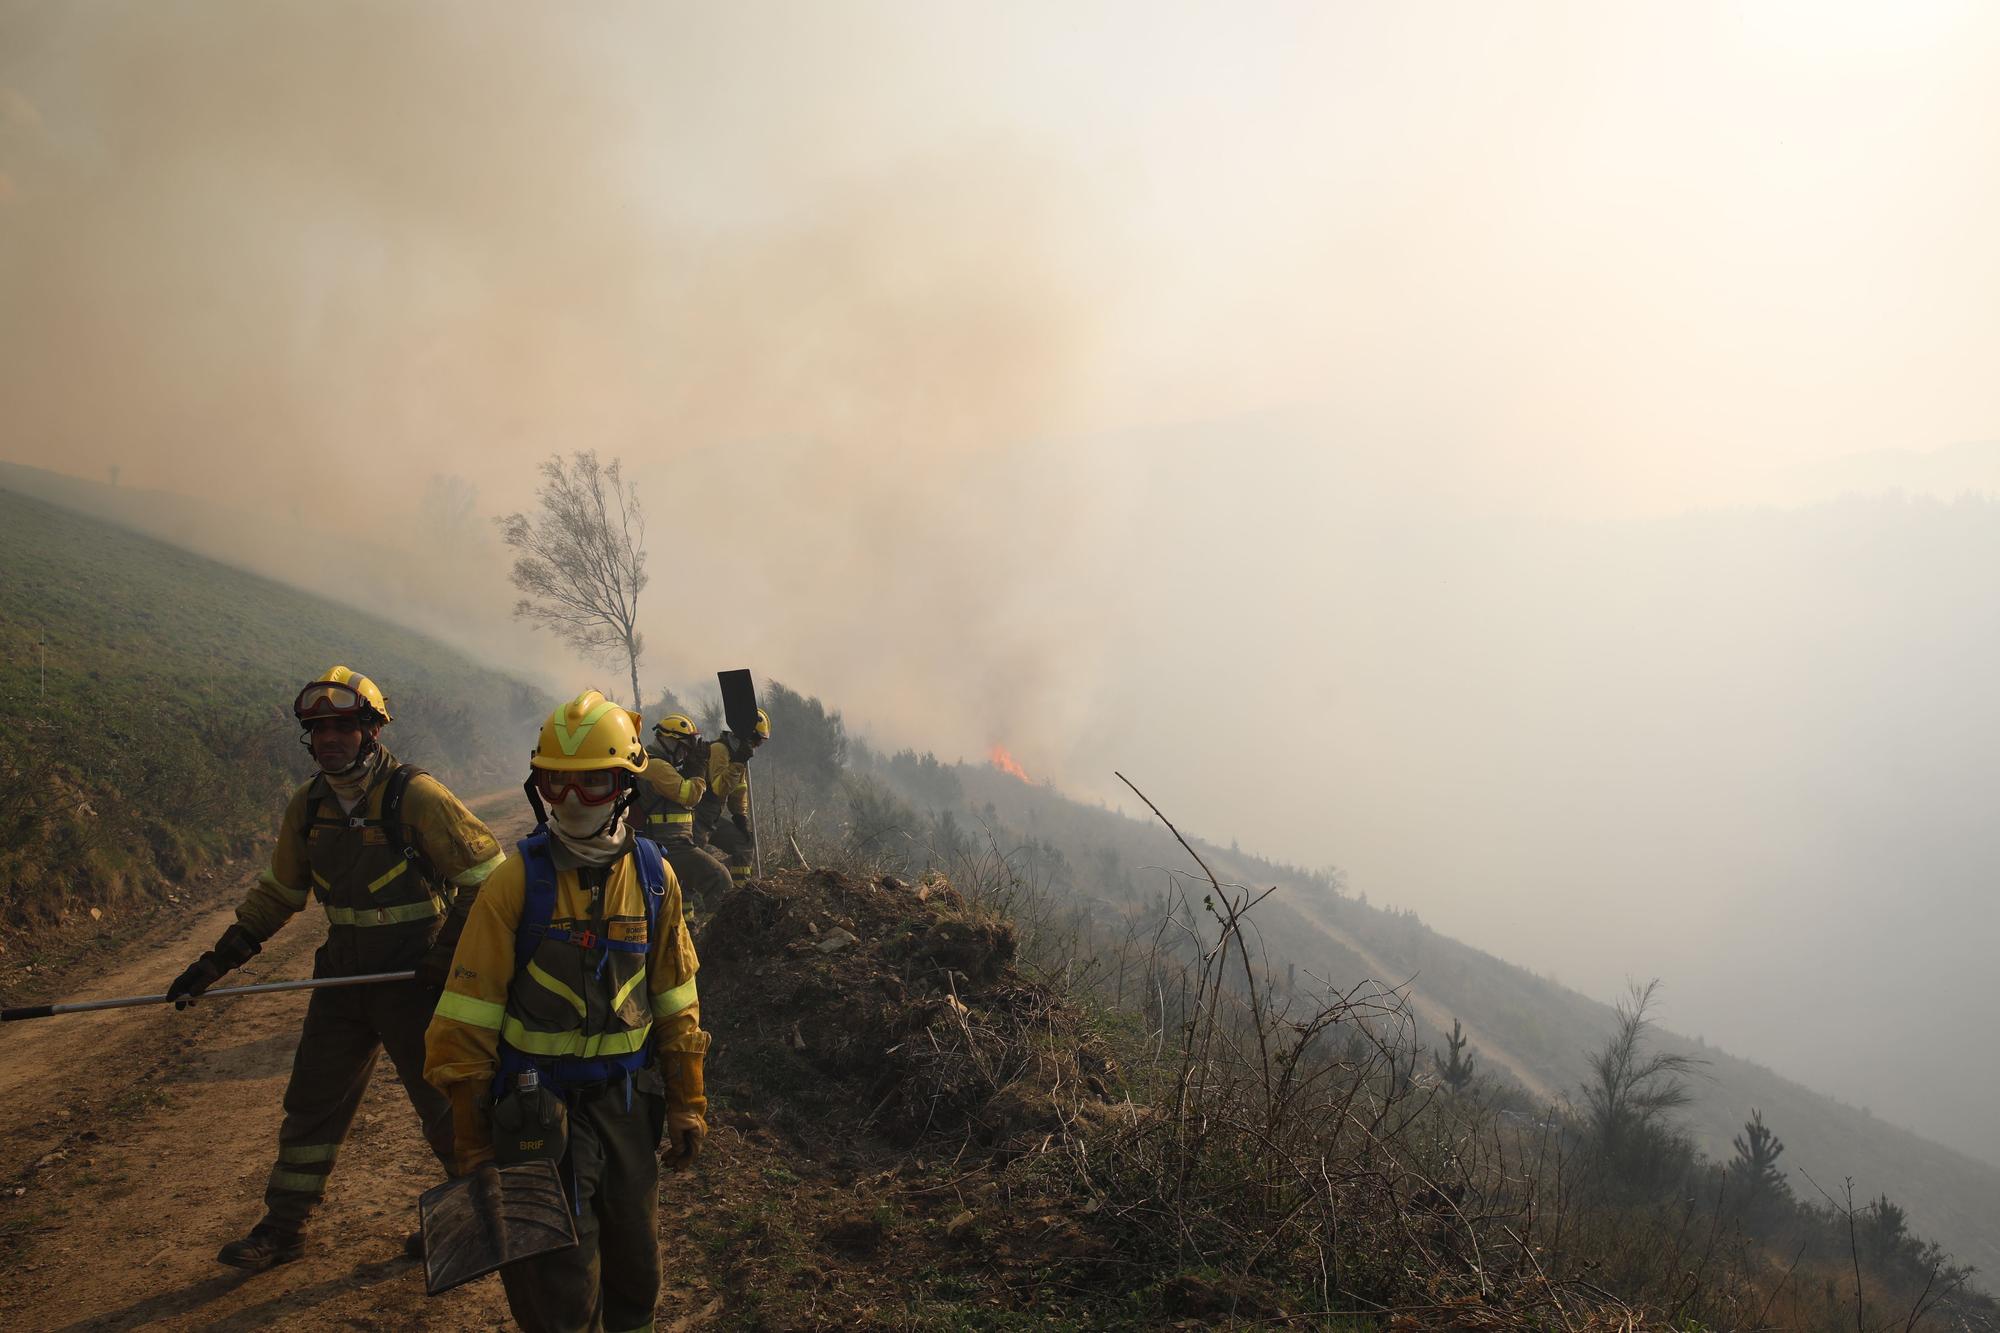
(668, 791)
(729, 787)
(396, 861)
(572, 1002)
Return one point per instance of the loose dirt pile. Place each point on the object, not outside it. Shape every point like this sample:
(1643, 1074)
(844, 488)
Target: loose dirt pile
(897, 1082)
(891, 1009)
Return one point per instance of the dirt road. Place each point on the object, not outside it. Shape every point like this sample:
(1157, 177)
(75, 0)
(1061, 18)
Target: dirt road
(1441, 1018)
(138, 1142)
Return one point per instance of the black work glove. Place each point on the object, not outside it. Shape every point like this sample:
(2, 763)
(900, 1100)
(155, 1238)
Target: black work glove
(742, 823)
(201, 974)
(434, 968)
(236, 947)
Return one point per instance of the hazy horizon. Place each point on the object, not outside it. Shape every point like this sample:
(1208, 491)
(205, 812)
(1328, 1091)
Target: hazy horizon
(1408, 440)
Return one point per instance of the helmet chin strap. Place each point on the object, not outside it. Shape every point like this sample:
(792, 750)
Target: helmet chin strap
(618, 809)
(369, 745)
(367, 751)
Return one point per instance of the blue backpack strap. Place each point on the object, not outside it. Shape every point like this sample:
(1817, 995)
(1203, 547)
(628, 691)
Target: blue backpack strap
(538, 904)
(538, 901)
(652, 877)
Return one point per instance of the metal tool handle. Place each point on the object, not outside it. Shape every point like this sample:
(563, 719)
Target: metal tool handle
(261, 988)
(756, 843)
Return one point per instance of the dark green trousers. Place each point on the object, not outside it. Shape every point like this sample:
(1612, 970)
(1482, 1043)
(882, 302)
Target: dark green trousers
(609, 1282)
(734, 848)
(703, 878)
(347, 1028)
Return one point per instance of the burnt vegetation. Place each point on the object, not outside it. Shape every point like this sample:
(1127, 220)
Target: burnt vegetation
(1067, 1087)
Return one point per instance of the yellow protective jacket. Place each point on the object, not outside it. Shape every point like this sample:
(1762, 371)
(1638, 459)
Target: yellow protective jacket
(382, 911)
(484, 996)
(664, 808)
(729, 778)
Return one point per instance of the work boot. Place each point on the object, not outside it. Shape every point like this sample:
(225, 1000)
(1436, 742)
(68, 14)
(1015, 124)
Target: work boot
(265, 1247)
(413, 1244)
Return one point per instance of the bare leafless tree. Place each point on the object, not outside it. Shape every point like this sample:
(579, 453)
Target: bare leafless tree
(581, 559)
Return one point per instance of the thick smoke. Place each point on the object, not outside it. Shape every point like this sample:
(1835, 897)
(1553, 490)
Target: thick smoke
(1147, 389)
(304, 261)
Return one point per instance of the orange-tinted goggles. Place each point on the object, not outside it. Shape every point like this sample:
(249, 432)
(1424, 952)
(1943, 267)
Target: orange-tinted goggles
(327, 698)
(592, 787)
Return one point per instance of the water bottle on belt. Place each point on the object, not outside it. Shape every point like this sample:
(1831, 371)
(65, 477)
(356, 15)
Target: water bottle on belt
(530, 1123)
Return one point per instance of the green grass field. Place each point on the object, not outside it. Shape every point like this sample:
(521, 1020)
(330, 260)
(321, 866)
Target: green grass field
(163, 737)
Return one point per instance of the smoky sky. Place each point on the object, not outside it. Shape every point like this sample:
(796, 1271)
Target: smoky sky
(307, 261)
(1351, 422)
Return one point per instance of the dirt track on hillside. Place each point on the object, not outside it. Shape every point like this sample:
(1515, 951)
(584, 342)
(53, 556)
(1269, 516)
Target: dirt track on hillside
(139, 1142)
(1441, 1018)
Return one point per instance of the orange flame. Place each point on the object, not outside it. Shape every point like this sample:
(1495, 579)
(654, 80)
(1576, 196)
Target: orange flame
(1006, 763)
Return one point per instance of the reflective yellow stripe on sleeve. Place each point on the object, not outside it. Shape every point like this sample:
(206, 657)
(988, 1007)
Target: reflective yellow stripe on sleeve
(293, 898)
(466, 879)
(471, 1010)
(670, 1002)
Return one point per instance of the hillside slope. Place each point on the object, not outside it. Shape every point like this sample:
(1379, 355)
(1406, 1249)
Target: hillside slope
(1520, 1020)
(439, 572)
(159, 735)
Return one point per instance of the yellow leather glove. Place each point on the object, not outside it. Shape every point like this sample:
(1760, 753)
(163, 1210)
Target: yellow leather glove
(471, 1129)
(687, 1109)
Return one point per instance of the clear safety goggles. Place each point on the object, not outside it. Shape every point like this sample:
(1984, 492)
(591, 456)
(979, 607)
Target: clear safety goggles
(328, 698)
(592, 786)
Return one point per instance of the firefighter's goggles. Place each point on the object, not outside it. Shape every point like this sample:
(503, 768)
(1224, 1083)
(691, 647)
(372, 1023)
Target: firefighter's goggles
(592, 786)
(328, 698)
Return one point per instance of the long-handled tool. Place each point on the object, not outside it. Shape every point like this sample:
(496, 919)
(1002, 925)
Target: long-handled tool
(261, 988)
(739, 710)
(756, 843)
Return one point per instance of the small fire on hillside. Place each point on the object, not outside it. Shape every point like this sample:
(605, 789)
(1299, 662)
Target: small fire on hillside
(1006, 763)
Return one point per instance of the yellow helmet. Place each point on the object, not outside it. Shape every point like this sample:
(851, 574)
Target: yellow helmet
(341, 692)
(764, 724)
(675, 724)
(590, 732)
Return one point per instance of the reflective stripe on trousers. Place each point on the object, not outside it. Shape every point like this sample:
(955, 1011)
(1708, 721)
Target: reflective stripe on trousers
(303, 1167)
(345, 1031)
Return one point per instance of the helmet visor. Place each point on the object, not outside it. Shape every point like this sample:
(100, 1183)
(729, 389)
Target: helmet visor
(592, 786)
(327, 698)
